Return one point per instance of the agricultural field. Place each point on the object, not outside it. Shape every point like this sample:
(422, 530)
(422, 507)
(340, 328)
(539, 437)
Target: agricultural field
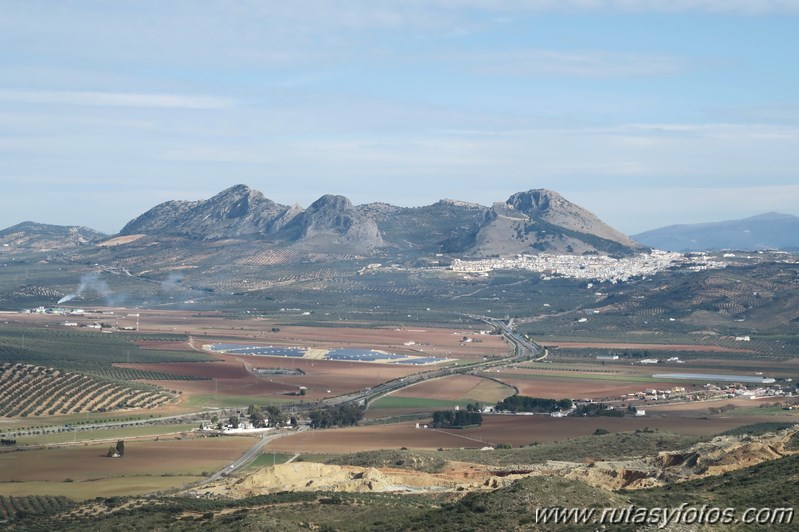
(27, 390)
(167, 352)
(168, 355)
(440, 394)
(37, 438)
(516, 430)
(84, 471)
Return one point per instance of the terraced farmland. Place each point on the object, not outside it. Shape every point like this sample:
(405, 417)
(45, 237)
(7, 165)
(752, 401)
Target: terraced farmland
(28, 390)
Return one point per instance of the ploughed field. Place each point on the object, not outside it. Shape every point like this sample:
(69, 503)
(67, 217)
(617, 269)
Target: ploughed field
(83, 472)
(236, 376)
(515, 430)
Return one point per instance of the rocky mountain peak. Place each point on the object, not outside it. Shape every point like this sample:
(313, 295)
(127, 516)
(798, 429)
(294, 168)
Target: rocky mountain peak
(536, 201)
(239, 201)
(331, 202)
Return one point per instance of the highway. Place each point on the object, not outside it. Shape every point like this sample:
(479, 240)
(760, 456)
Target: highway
(523, 349)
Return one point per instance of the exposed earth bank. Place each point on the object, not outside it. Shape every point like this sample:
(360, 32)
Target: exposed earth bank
(714, 457)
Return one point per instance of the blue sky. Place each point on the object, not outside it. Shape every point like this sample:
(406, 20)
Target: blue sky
(647, 113)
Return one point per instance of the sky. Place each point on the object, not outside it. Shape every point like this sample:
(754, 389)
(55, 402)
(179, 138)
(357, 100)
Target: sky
(646, 112)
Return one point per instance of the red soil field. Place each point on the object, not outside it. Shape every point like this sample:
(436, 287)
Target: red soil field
(233, 378)
(582, 389)
(448, 388)
(163, 345)
(650, 347)
(205, 327)
(564, 384)
(141, 457)
(515, 430)
(701, 407)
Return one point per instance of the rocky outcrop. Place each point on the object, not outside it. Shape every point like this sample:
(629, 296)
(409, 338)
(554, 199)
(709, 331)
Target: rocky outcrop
(714, 457)
(238, 212)
(540, 221)
(332, 221)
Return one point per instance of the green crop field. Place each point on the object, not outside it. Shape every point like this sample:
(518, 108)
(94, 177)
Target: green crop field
(105, 487)
(83, 351)
(230, 401)
(270, 459)
(103, 434)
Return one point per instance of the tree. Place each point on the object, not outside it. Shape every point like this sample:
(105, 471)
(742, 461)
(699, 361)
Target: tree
(120, 448)
(336, 416)
(234, 421)
(257, 419)
(274, 416)
(458, 418)
(111, 452)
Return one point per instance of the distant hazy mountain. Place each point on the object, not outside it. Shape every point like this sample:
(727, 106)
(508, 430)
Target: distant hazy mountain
(766, 231)
(32, 235)
(528, 222)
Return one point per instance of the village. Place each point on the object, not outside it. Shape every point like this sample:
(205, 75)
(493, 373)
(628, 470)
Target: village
(599, 268)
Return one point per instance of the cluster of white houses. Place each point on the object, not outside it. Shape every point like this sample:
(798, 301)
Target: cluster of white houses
(595, 267)
(711, 391)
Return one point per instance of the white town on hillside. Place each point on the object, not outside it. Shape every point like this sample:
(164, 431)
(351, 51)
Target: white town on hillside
(594, 267)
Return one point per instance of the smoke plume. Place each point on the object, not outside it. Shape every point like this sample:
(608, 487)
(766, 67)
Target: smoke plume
(92, 282)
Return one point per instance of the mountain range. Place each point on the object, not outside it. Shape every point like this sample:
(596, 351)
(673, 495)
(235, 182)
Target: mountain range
(766, 231)
(528, 222)
(535, 221)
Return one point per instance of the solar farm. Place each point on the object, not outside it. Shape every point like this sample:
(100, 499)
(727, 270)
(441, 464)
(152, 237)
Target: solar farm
(344, 354)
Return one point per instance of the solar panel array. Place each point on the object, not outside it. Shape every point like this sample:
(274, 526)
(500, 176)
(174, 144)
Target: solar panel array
(418, 361)
(360, 355)
(340, 354)
(238, 349)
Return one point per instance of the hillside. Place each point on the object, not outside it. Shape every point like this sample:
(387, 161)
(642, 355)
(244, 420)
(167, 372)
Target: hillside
(766, 231)
(44, 237)
(363, 498)
(544, 221)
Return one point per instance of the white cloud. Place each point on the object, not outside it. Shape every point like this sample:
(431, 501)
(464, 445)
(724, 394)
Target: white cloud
(116, 99)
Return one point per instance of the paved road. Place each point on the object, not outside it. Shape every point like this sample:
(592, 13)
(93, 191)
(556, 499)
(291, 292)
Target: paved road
(250, 455)
(523, 350)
